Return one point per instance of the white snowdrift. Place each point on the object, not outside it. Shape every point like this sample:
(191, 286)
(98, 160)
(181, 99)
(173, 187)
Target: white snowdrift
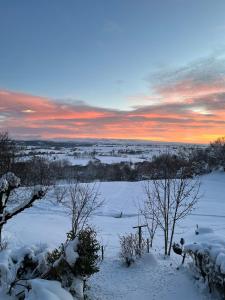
(47, 290)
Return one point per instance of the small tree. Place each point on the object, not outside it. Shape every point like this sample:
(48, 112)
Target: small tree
(75, 261)
(81, 202)
(88, 249)
(168, 201)
(8, 183)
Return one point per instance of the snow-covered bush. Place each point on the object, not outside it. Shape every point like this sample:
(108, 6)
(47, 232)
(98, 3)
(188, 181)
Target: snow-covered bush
(23, 269)
(127, 252)
(209, 263)
(130, 248)
(20, 265)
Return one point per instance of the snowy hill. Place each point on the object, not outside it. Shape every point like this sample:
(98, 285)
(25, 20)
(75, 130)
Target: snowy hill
(153, 277)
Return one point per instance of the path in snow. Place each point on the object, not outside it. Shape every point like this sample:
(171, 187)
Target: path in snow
(147, 279)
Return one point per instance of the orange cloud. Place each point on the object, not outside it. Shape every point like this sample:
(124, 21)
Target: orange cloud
(198, 119)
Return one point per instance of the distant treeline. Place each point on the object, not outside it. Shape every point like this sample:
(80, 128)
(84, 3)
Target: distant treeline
(40, 170)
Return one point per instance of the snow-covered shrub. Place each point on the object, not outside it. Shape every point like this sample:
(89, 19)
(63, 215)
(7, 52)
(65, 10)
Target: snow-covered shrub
(19, 265)
(209, 263)
(127, 252)
(21, 269)
(130, 248)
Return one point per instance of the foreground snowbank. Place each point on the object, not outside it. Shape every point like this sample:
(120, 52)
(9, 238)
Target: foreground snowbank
(208, 255)
(47, 290)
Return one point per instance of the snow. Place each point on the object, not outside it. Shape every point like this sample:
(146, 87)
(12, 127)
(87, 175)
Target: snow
(12, 179)
(207, 242)
(47, 290)
(4, 268)
(71, 254)
(107, 152)
(3, 185)
(78, 286)
(150, 278)
(220, 262)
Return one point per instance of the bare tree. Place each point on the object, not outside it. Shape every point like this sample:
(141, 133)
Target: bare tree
(81, 202)
(168, 201)
(150, 212)
(60, 193)
(8, 183)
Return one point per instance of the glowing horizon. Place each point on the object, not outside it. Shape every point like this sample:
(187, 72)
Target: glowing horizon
(32, 117)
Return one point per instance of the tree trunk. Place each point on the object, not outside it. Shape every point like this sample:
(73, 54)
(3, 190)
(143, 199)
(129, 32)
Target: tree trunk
(171, 237)
(173, 228)
(165, 242)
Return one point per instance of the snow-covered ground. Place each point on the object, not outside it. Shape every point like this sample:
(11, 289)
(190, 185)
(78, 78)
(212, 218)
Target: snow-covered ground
(106, 152)
(152, 277)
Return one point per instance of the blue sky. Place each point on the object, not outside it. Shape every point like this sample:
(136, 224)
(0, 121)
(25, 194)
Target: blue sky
(102, 52)
(129, 69)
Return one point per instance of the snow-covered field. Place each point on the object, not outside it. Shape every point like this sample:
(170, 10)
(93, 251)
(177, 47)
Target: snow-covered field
(111, 152)
(152, 277)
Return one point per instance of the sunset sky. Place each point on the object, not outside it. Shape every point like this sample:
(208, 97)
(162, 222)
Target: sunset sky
(123, 69)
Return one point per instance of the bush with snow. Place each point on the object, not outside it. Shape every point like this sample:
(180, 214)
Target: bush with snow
(20, 265)
(209, 263)
(130, 248)
(22, 272)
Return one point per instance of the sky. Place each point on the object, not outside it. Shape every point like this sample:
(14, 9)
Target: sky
(121, 69)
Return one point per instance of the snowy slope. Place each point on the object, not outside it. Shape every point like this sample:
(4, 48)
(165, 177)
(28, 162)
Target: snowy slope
(151, 278)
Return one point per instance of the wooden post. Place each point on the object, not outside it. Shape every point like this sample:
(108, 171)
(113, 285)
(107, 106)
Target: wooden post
(183, 258)
(140, 237)
(148, 248)
(102, 248)
(140, 234)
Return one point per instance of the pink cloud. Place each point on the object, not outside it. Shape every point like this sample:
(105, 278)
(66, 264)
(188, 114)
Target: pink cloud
(27, 116)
